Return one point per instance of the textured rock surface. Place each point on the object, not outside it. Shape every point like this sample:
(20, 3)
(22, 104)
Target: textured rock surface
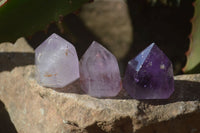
(19, 54)
(115, 32)
(33, 108)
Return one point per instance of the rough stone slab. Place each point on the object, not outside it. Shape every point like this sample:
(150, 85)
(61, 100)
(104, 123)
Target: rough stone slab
(33, 108)
(19, 54)
(47, 110)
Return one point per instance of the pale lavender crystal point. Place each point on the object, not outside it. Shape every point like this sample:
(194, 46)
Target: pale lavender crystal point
(56, 62)
(99, 72)
(149, 75)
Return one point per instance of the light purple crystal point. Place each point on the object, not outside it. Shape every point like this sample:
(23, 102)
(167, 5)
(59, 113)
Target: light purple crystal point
(99, 72)
(56, 62)
(149, 75)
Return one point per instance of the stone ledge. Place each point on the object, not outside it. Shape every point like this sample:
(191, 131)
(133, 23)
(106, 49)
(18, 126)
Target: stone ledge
(46, 110)
(33, 108)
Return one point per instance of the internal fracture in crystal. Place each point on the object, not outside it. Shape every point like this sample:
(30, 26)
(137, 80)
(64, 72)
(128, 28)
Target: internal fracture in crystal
(99, 72)
(56, 62)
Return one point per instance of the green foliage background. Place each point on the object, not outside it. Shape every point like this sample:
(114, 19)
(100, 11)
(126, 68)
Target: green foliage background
(24, 17)
(193, 54)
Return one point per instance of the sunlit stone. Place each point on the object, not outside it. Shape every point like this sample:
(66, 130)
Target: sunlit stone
(56, 62)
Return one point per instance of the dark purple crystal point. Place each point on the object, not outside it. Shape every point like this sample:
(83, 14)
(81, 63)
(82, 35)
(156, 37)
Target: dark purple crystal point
(149, 75)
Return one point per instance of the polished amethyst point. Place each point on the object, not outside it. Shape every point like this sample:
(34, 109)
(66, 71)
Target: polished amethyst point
(99, 72)
(56, 62)
(149, 75)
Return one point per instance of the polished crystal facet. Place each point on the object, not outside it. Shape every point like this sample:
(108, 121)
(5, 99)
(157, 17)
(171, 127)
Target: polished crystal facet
(56, 62)
(99, 72)
(149, 75)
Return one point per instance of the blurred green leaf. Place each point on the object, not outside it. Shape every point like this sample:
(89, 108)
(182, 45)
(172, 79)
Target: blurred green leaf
(24, 17)
(193, 54)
